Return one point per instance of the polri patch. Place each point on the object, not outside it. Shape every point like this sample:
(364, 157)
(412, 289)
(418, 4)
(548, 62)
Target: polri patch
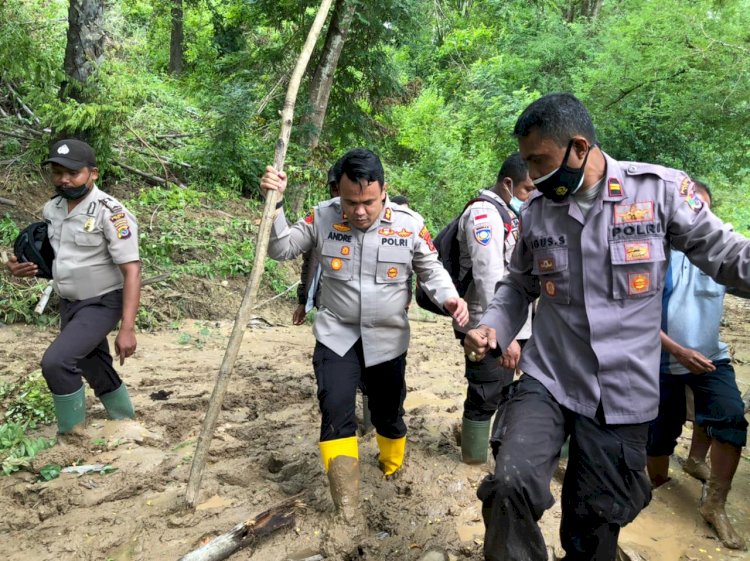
(638, 283)
(546, 265)
(483, 234)
(424, 233)
(694, 201)
(637, 251)
(685, 186)
(392, 273)
(635, 212)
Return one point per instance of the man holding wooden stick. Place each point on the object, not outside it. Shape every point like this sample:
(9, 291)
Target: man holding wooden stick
(367, 249)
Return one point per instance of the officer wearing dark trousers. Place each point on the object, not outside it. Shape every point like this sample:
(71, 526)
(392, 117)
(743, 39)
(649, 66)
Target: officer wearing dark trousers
(96, 273)
(338, 377)
(82, 348)
(367, 249)
(593, 246)
(487, 234)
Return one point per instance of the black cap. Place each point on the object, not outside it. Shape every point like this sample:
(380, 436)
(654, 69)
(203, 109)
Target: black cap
(72, 154)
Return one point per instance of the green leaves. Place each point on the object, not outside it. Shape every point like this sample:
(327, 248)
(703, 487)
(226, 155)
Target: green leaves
(17, 449)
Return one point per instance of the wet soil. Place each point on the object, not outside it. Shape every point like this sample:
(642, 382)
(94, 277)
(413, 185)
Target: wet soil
(265, 450)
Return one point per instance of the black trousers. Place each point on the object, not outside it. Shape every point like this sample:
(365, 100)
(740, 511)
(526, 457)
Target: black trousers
(81, 348)
(338, 378)
(605, 485)
(486, 381)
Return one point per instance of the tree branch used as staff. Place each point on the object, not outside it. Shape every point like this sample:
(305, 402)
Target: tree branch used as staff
(261, 249)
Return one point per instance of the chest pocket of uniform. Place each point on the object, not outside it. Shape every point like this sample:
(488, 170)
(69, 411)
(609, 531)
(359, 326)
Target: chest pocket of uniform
(89, 239)
(551, 266)
(394, 264)
(336, 260)
(636, 267)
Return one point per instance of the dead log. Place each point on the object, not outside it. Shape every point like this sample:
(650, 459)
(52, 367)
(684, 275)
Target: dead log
(4, 201)
(152, 179)
(246, 533)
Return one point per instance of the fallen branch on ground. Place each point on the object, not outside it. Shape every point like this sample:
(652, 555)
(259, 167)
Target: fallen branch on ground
(246, 533)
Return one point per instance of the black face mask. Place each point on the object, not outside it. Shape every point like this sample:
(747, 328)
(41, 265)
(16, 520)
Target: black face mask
(564, 181)
(72, 193)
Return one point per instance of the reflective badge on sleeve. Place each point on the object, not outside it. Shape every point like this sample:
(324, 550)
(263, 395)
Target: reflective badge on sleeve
(310, 218)
(483, 234)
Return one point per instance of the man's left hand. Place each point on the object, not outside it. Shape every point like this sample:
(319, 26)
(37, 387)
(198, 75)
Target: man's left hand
(511, 356)
(125, 344)
(458, 310)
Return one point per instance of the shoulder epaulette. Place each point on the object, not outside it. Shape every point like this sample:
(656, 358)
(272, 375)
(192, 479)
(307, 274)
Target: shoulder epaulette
(108, 202)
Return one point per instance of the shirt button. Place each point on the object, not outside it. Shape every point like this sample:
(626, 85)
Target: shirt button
(632, 168)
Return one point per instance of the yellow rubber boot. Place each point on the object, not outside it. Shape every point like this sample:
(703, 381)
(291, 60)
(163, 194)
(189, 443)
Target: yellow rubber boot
(329, 449)
(391, 453)
(341, 462)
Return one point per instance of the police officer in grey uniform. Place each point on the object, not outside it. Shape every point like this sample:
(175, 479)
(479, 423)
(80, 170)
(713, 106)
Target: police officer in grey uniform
(594, 245)
(486, 238)
(96, 273)
(367, 249)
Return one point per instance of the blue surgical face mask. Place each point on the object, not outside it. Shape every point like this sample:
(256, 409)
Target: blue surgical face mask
(515, 203)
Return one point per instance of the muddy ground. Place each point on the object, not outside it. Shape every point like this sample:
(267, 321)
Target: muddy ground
(265, 450)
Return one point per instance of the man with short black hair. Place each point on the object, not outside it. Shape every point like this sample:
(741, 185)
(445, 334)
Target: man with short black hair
(487, 234)
(96, 272)
(513, 182)
(367, 249)
(594, 247)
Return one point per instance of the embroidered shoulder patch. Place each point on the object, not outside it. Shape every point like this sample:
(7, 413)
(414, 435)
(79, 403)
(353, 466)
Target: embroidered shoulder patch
(310, 217)
(483, 234)
(424, 233)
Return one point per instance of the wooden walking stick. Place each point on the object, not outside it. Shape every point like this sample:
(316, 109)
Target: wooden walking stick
(261, 248)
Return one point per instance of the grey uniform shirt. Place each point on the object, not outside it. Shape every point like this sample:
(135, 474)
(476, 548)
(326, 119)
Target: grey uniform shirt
(364, 289)
(486, 244)
(596, 331)
(89, 243)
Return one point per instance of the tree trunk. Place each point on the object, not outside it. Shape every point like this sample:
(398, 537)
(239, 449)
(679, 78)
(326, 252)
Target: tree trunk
(322, 82)
(84, 50)
(175, 44)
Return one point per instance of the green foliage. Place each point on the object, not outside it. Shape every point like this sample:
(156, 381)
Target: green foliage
(17, 449)
(28, 401)
(50, 472)
(19, 297)
(8, 231)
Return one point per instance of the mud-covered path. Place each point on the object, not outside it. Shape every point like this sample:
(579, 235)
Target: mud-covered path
(265, 450)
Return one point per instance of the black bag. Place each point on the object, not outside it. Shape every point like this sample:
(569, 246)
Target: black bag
(33, 246)
(447, 246)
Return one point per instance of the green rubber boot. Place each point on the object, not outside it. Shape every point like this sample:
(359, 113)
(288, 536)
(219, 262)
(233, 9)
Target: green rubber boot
(475, 437)
(118, 404)
(70, 410)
